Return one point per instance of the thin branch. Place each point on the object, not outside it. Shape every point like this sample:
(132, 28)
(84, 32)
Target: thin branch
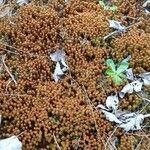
(9, 81)
(56, 142)
(132, 25)
(8, 46)
(111, 34)
(12, 77)
(143, 98)
(113, 145)
(145, 126)
(110, 138)
(146, 135)
(117, 31)
(146, 99)
(91, 106)
(139, 144)
(9, 51)
(89, 103)
(140, 135)
(20, 133)
(143, 108)
(19, 95)
(30, 54)
(130, 17)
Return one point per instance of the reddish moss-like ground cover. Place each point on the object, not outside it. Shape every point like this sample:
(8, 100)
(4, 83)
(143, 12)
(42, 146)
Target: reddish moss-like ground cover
(43, 109)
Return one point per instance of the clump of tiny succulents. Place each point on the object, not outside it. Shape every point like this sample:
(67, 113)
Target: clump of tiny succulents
(116, 72)
(107, 6)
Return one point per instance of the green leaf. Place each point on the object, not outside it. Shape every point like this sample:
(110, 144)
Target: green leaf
(106, 7)
(122, 75)
(123, 66)
(110, 63)
(117, 80)
(110, 72)
(102, 3)
(113, 8)
(116, 74)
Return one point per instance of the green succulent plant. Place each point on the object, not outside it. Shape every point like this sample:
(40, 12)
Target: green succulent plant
(103, 3)
(116, 72)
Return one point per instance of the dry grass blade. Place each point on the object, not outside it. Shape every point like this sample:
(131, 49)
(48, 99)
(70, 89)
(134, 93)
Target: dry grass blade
(110, 144)
(88, 102)
(139, 144)
(140, 134)
(91, 107)
(9, 81)
(56, 142)
(111, 34)
(9, 51)
(18, 50)
(143, 108)
(16, 95)
(20, 134)
(12, 77)
(109, 138)
(145, 99)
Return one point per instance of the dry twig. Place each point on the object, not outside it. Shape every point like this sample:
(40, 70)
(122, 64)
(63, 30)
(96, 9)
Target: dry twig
(9, 51)
(91, 107)
(145, 99)
(12, 77)
(117, 31)
(16, 95)
(138, 146)
(110, 138)
(9, 81)
(56, 142)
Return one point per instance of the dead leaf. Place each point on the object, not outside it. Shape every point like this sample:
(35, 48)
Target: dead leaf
(2, 2)
(11, 143)
(116, 25)
(146, 78)
(61, 66)
(129, 74)
(5, 11)
(145, 5)
(132, 122)
(112, 102)
(111, 117)
(22, 2)
(135, 86)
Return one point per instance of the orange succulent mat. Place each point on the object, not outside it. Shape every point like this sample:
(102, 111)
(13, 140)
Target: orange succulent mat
(63, 115)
